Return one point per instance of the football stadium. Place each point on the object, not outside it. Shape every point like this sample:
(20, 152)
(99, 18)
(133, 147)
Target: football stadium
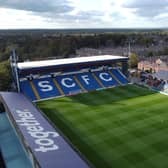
(81, 113)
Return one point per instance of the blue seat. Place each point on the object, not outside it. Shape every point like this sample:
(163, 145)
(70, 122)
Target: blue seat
(88, 81)
(119, 76)
(43, 88)
(27, 89)
(106, 78)
(68, 84)
(46, 87)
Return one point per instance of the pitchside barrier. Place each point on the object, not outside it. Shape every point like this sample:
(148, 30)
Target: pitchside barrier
(44, 144)
(49, 87)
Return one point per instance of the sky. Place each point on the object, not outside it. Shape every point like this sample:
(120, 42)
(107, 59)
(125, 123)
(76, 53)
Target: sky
(26, 14)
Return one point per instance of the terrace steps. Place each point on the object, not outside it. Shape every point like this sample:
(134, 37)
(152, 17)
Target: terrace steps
(58, 87)
(34, 90)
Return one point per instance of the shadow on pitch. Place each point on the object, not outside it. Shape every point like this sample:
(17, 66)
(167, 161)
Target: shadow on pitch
(112, 95)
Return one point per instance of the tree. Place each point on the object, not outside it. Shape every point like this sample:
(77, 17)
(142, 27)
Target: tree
(133, 60)
(150, 54)
(5, 76)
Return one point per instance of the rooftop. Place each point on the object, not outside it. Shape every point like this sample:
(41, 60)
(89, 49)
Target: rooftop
(67, 61)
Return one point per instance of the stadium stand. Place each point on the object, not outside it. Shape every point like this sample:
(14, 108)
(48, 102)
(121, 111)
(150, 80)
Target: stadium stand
(119, 75)
(49, 86)
(68, 84)
(106, 78)
(46, 87)
(27, 90)
(88, 81)
(155, 83)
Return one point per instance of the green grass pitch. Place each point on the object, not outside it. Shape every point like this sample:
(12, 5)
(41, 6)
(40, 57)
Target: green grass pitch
(122, 127)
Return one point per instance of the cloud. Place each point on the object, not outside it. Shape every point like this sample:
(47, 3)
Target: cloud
(83, 13)
(84, 18)
(147, 8)
(86, 15)
(60, 11)
(57, 6)
(145, 3)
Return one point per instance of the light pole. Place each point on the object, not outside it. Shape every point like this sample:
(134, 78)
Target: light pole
(129, 41)
(129, 49)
